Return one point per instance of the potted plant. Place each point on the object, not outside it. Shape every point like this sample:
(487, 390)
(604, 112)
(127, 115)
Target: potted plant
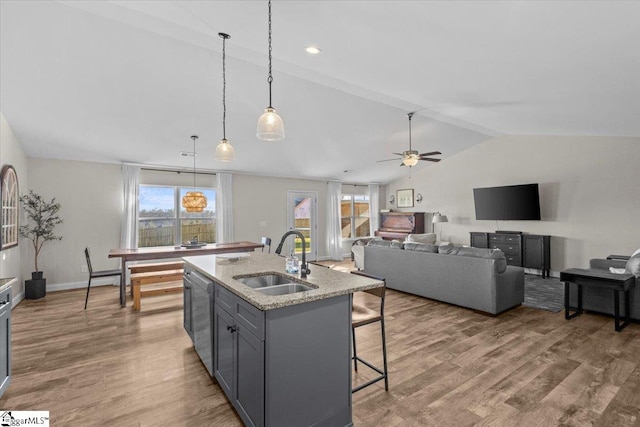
(42, 219)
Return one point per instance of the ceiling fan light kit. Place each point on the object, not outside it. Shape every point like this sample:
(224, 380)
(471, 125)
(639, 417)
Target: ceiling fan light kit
(224, 150)
(270, 125)
(411, 157)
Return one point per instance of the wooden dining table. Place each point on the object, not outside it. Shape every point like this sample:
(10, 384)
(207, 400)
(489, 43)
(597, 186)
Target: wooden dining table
(147, 254)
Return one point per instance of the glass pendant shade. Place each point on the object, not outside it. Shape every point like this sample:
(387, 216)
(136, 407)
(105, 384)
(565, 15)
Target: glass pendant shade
(412, 160)
(225, 152)
(270, 126)
(194, 201)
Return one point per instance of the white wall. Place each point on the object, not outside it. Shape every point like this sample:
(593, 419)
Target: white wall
(90, 195)
(259, 199)
(11, 153)
(589, 192)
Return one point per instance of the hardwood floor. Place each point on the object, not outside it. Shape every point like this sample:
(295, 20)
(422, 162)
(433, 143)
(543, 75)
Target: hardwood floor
(449, 366)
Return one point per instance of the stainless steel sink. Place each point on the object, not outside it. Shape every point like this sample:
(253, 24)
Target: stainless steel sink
(286, 289)
(267, 280)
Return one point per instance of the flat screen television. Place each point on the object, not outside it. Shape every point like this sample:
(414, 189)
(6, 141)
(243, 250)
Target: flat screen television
(512, 202)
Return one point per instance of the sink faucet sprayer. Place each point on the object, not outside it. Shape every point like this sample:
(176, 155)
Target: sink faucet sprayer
(304, 268)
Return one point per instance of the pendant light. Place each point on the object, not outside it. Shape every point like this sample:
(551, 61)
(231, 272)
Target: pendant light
(224, 150)
(270, 126)
(411, 156)
(194, 201)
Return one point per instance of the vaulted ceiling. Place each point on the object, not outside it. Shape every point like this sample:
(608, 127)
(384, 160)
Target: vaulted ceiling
(130, 81)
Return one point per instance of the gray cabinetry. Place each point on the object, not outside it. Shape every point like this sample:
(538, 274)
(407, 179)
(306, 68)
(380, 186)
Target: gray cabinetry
(5, 339)
(239, 354)
(479, 240)
(187, 320)
(284, 367)
(202, 312)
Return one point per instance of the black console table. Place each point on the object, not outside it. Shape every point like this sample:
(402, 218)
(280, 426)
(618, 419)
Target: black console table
(598, 279)
(521, 250)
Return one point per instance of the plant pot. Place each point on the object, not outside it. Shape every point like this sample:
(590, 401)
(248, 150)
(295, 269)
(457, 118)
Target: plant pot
(36, 275)
(35, 289)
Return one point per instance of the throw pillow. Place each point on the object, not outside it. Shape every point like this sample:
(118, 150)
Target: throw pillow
(420, 247)
(633, 265)
(381, 243)
(635, 253)
(422, 238)
(448, 249)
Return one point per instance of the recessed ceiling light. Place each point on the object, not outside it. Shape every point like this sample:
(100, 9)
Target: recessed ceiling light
(312, 50)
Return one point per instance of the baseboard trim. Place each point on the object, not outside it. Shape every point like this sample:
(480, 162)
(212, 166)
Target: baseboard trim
(81, 285)
(16, 300)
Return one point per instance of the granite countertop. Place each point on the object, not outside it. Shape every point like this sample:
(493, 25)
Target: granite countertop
(327, 282)
(5, 282)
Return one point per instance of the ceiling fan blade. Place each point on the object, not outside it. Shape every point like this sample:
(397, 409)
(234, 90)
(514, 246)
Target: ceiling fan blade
(386, 160)
(402, 164)
(398, 154)
(430, 160)
(433, 153)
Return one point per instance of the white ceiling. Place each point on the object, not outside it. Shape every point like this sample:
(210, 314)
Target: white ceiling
(130, 81)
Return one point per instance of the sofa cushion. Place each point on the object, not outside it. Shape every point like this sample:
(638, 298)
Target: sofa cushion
(381, 243)
(420, 247)
(633, 265)
(497, 254)
(422, 238)
(397, 244)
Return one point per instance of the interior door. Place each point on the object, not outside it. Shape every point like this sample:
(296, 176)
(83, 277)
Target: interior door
(302, 216)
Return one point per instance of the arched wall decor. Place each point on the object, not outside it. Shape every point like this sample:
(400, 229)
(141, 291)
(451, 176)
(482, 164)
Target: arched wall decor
(10, 198)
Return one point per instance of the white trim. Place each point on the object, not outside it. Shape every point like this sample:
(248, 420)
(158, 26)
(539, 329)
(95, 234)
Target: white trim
(16, 300)
(82, 285)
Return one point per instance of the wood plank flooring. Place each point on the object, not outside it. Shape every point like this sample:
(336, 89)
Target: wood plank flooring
(449, 366)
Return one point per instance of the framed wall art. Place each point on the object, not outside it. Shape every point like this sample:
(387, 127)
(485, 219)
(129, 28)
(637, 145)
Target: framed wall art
(404, 198)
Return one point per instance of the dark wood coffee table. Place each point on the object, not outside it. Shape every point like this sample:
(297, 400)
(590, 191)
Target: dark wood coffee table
(598, 279)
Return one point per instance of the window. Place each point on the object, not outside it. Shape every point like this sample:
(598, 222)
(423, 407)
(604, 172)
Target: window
(164, 222)
(354, 210)
(9, 195)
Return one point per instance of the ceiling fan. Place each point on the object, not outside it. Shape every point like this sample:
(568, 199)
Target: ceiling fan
(410, 157)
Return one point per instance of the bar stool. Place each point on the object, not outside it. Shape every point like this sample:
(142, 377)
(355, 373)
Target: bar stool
(361, 316)
(96, 274)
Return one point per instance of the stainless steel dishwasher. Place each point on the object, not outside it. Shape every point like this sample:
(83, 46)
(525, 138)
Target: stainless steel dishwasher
(202, 306)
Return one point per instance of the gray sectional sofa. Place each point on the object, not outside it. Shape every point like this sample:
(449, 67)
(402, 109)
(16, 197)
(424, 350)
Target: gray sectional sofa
(469, 277)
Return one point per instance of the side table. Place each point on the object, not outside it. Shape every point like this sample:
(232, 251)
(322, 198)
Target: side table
(598, 279)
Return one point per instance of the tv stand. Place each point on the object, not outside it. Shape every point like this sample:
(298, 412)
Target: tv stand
(522, 250)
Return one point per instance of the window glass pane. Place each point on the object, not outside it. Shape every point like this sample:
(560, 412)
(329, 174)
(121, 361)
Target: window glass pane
(362, 227)
(361, 206)
(156, 202)
(202, 229)
(156, 232)
(346, 228)
(345, 206)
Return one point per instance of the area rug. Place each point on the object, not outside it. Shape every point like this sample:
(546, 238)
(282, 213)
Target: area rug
(546, 294)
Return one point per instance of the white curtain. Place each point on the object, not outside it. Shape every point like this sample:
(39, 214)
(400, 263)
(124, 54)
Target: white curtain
(374, 208)
(131, 181)
(224, 208)
(334, 229)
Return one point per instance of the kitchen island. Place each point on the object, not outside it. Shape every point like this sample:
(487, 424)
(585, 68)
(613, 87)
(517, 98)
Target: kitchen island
(282, 360)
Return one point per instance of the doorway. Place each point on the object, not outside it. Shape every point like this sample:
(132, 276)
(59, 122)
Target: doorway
(302, 216)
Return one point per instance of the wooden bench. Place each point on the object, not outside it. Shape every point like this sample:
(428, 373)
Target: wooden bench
(165, 281)
(157, 266)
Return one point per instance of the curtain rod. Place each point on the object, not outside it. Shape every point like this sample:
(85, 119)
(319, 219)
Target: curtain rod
(170, 169)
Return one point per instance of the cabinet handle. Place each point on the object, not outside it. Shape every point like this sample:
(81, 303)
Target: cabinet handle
(231, 329)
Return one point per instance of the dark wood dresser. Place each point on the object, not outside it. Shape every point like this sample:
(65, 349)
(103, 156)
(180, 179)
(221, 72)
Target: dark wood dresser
(398, 225)
(522, 250)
